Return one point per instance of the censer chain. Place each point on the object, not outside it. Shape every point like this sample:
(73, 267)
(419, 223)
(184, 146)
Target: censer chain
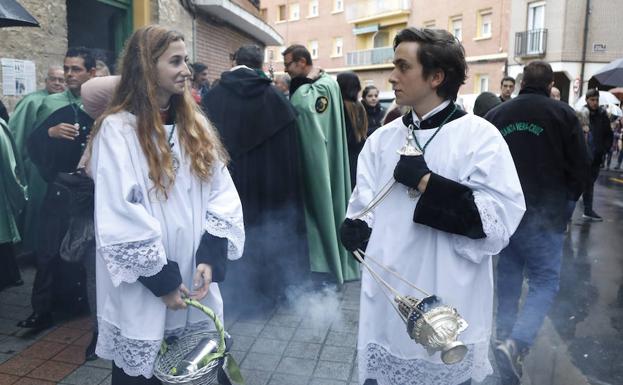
(378, 198)
(392, 272)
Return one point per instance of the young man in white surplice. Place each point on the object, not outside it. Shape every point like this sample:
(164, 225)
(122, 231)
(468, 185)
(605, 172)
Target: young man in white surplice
(167, 215)
(452, 208)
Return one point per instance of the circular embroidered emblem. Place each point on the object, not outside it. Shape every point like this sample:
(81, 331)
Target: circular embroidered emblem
(321, 104)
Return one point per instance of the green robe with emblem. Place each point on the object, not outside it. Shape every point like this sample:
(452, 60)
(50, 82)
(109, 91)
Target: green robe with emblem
(326, 179)
(22, 124)
(12, 189)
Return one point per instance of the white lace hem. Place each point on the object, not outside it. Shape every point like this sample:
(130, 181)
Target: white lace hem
(230, 228)
(135, 357)
(375, 362)
(130, 260)
(497, 235)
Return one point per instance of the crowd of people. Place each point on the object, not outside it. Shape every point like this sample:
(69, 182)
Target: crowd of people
(156, 185)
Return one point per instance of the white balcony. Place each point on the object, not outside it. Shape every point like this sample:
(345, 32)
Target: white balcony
(382, 55)
(367, 10)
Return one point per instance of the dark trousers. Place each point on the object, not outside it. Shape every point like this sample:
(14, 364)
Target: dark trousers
(43, 287)
(119, 377)
(590, 184)
(9, 272)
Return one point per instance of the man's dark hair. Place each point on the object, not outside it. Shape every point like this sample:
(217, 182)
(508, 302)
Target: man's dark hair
(438, 50)
(298, 51)
(592, 93)
(249, 55)
(507, 79)
(86, 55)
(198, 68)
(537, 74)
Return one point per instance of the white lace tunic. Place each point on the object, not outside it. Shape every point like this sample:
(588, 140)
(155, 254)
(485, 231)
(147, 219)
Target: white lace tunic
(470, 151)
(136, 233)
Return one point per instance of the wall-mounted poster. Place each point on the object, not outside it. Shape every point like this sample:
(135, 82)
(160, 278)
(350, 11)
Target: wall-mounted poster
(18, 77)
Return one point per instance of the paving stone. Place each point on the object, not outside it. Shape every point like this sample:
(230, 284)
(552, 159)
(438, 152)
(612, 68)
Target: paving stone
(242, 343)
(345, 326)
(255, 377)
(52, 371)
(99, 363)
(13, 298)
(288, 379)
(345, 339)
(333, 370)
(246, 329)
(305, 350)
(83, 323)
(270, 346)
(86, 375)
(32, 381)
(7, 379)
(14, 312)
(72, 354)
(107, 381)
(238, 355)
(43, 350)
(261, 361)
(83, 341)
(296, 366)
(5, 357)
(285, 320)
(278, 332)
(337, 354)
(354, 377)
(20, 366)
(319, 323)
(65, 335)
(310, 335)
(325, 381)
(12, 345)
(8, 326)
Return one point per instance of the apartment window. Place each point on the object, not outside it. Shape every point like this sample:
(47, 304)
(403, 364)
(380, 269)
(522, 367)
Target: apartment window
(278, 55)
(429, 24)
(269, 55)
(313, 8)
(381, 39)
(484, 24)
(295, 11)
(281, 15)
(313, 48)
(536, 15)
(481, 83)
(263, 13)
(338, 5)
(338, 46)
(456, 27)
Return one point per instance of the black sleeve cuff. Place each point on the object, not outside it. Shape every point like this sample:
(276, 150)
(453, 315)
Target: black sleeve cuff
(213, 251)
(165, 281)
(449, 206)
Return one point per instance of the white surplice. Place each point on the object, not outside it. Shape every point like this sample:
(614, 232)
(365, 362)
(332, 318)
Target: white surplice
(135, 235)
(468, 150)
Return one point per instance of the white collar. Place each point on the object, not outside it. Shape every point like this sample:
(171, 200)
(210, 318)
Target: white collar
(241, 66)
(416, 120)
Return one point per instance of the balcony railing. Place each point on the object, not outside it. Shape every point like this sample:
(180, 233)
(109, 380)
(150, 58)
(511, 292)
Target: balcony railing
(368, 57)
(531, 43)
(362, 9)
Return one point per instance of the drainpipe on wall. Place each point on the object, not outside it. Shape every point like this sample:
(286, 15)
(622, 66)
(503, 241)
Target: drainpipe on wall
(584, 44)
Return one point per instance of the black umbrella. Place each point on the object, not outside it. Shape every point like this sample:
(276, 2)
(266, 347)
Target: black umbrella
(611, 74)
(14, 15)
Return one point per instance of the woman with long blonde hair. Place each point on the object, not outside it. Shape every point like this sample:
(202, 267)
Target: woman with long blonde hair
(167, 215)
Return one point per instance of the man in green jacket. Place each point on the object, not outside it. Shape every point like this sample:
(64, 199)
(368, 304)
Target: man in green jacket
(12, 199)
(22, 124)
(317, 99)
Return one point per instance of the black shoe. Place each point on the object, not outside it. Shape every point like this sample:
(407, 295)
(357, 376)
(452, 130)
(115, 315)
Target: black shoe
(90, 355)
(37, 321)
(509, 362)
(592, 216)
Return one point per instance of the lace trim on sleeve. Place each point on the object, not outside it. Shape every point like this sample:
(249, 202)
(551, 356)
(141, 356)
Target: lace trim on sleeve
(497, 235)
(230, 228)
(130, 260)
(375, 362)
(135, 357)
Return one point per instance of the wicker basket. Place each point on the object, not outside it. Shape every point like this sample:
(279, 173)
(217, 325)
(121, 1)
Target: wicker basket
(171, 354)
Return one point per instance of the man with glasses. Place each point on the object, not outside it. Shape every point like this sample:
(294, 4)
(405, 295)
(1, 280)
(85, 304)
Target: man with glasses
(324, 161)
(22, 124)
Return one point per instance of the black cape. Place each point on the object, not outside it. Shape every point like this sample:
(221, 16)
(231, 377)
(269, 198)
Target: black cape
(258, 127)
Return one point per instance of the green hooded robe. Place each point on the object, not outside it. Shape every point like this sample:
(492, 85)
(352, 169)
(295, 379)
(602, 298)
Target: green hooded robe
(22, 124)
(12, 189)
(326, 179)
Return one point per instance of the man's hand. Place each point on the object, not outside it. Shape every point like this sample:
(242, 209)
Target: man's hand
(64, 131)
(354, 233)
(410, 170)
(174, 300)
(201, 281)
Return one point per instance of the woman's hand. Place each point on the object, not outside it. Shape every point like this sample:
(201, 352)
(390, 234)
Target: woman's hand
(201, 281)
(174, 300)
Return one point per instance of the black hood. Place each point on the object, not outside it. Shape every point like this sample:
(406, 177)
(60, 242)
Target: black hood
(245, 82)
